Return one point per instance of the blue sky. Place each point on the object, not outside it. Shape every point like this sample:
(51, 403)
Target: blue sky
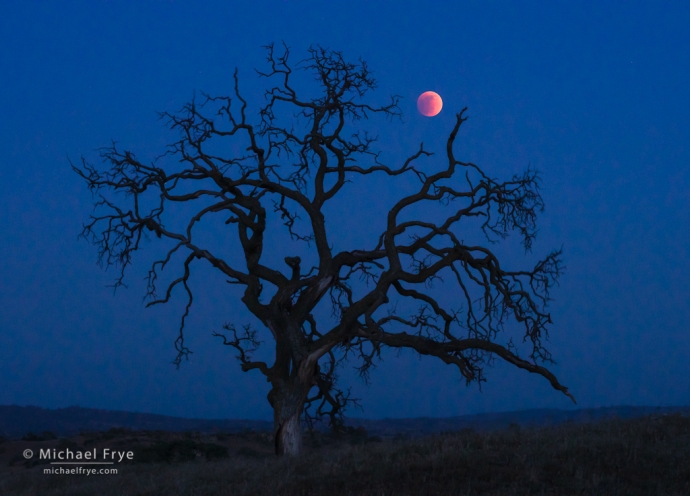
(593, 94)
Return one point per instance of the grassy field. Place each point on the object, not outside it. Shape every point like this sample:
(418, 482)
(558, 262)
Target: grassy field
(643, 456)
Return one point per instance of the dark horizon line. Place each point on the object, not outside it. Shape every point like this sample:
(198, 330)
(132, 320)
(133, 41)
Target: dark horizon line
(502, 412)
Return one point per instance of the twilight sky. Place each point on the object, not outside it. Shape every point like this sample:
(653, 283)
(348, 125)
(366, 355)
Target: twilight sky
(593, 94)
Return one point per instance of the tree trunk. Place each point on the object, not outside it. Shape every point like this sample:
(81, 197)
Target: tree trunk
(288, 436)
(287, 399)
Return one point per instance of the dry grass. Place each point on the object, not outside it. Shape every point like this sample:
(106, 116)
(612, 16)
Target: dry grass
(644, 456)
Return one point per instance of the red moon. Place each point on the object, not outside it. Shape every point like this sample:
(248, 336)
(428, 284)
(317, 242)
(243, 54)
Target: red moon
(429, 103)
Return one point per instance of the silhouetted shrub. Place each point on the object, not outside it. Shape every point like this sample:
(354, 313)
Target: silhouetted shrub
(115, 432)
(43, 436)
(181, 450)
(66, 444)
(249, 452)
(222, 436)
(214, 451)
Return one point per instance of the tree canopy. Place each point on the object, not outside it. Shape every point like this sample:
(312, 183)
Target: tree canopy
(290, 171)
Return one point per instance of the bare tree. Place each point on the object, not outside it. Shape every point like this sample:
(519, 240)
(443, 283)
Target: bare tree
(293, 174)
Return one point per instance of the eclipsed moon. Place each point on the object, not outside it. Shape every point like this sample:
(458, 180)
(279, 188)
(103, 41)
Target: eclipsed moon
(429, 103)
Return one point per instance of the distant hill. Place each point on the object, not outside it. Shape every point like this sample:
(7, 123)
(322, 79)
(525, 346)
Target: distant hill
(421, 426)
(16, 421)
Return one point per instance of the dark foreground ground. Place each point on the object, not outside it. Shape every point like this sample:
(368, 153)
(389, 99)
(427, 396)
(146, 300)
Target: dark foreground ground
(641, 456)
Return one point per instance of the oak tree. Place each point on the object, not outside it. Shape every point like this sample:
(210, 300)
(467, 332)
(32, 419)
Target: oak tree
(290, 171)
